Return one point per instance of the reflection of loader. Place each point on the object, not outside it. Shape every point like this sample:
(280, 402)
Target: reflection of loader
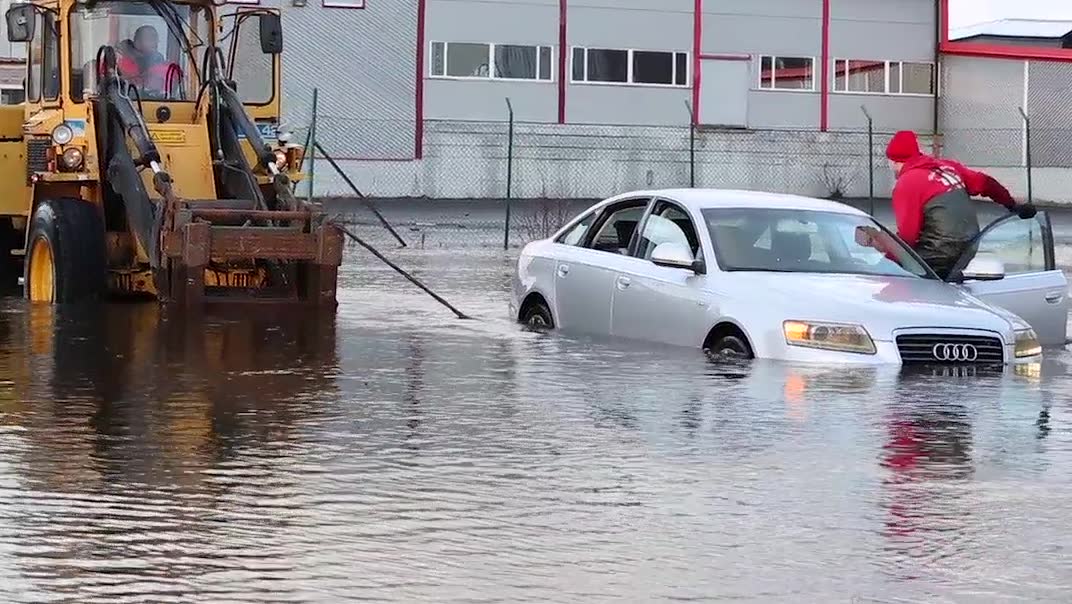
(135, 166)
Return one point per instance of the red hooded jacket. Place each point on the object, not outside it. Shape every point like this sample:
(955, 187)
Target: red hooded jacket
(923, 178)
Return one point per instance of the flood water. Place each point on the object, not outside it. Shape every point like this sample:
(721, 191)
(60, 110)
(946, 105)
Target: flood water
(388, 452)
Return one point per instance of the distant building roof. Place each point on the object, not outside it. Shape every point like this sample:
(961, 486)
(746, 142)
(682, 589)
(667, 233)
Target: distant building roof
(1015, 28)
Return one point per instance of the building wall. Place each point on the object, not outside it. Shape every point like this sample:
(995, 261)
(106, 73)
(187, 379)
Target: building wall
(982, 125)
(363, 63)
(524, 22)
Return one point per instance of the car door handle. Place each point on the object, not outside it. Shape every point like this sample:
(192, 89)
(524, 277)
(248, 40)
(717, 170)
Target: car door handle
(563, 270)
(623, 282)
(1054, 297)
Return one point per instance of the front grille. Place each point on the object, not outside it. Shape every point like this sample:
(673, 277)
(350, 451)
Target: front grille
(920, 350)
(37, 156)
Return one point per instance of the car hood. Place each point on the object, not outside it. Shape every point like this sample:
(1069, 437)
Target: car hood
(881, 304)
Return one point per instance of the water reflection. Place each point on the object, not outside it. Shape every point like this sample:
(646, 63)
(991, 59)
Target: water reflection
(153, 456)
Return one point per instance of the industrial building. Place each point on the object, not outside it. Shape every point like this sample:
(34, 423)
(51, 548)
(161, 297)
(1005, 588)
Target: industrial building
(414, 96)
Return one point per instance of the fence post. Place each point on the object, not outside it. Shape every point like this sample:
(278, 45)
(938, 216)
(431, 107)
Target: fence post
(692, 147)
(1027, 152)
(870, 159)
(310, 149)
(509, 173)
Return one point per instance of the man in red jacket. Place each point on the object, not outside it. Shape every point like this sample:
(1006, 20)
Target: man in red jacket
(932, 202)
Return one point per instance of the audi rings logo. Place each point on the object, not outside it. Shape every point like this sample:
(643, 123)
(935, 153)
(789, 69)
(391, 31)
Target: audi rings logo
(955, 352)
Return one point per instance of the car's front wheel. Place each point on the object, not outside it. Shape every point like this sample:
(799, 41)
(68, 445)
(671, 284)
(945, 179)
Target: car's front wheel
(732, 347)
(537, 315)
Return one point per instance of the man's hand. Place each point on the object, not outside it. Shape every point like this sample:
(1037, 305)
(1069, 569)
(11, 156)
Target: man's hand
(1024, 210)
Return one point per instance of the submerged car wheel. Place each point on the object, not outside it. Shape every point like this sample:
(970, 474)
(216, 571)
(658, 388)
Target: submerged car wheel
(731, 347)
(537, 315)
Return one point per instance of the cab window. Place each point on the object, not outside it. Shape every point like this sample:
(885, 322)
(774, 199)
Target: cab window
(251, 69)
(50, 77)
(668, 223)
(617, 230)
(35, 61)
(1018, 243)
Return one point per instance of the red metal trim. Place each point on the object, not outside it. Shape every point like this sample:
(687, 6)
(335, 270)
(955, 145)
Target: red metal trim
(418, 130)
(945, 22)
(697, 49)
(824, 86)
(725, 57)
(1005, 51)
(563, 50)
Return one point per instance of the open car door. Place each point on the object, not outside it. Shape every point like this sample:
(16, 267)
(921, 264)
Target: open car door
(1032, 287)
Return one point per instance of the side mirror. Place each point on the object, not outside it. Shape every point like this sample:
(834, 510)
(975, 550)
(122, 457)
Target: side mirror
(271, 30)
(676, 255)
(984, 267)
(21, 19)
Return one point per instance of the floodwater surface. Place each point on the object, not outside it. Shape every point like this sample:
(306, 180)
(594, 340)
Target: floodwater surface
(389, 452)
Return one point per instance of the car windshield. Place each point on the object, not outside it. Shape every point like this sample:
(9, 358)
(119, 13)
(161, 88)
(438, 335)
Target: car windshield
(152, 56)
(804, 241)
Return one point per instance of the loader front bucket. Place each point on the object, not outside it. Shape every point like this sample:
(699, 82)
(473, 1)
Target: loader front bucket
(215, 254)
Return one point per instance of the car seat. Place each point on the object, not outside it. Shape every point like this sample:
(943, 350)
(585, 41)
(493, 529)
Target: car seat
(791, 248)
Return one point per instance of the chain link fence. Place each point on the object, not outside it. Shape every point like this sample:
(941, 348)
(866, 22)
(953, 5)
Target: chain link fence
(487, 184)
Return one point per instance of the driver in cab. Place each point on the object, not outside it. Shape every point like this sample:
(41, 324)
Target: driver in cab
(932, 203)
(140, 62)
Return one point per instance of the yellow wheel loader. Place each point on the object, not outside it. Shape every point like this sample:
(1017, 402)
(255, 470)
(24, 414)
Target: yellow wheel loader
(138, 165)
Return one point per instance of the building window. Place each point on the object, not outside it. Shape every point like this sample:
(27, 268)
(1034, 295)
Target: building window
(883, 77)
(491, 61)
(786, 73)
(335, 3)
(621, 66)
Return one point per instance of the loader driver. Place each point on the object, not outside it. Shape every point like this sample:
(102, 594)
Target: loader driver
(933, 206)
(140, 62)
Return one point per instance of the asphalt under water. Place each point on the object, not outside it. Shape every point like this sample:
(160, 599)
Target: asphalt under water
(390, 452)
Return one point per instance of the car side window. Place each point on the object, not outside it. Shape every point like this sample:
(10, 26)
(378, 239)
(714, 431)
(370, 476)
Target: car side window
(668, 224)
(617, 230)
(1018, 243)
(575, 236)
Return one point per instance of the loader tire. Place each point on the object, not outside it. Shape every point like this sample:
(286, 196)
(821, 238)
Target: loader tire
(66, 257)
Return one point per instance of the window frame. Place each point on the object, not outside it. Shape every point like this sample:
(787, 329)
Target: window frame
(887, 63)
(491, 77)
(630, 52)
(344, 4)
(603, 213)
(815, 75)
(656, 202)
(35, 83)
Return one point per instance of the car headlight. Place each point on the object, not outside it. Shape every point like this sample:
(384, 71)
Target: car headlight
(842, 337)
(1027, 344)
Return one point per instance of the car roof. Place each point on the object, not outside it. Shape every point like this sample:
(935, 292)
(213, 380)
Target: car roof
(699, 199)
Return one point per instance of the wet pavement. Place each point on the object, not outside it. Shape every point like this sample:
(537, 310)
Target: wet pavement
(390, 452)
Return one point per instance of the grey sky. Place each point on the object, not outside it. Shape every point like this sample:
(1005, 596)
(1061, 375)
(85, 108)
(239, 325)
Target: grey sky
(968, 12)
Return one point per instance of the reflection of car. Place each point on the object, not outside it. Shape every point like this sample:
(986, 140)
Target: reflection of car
(787, 277)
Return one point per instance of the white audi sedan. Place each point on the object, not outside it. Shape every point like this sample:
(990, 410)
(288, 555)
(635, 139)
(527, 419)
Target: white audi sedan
(763, 275)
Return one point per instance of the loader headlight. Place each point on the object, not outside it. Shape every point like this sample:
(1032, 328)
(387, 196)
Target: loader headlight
(842, 337)
(280, 159)
(72, 158)
(62, 134)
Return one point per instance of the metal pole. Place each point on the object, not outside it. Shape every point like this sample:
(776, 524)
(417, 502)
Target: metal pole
(692, 147)
(1027, 152)
(870, 159)
(310, 148)
(509, 173)
(361, 195)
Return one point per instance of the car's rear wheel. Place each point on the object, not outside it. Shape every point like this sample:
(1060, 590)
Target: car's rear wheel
(537, 315)
(731, 346)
